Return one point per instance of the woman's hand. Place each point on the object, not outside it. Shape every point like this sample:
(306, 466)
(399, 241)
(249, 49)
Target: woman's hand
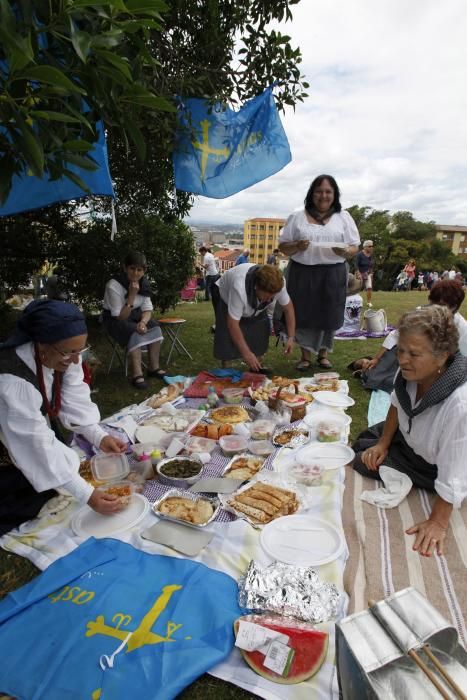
(342, 252)
(252, 361)
(104, 503)
(141, 328)
(112, 444)
(289, 346)
(302, 244)
(374, 456)
(429, 535)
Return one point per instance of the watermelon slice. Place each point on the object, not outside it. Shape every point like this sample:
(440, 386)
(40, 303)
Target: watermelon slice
(310, 648)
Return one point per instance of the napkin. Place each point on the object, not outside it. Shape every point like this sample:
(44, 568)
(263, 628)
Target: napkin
(396, 487)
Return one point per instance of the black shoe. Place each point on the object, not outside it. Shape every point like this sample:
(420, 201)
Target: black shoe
(212, 329)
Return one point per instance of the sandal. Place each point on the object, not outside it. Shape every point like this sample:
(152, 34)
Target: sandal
(324, 363)
(303, 365)
(139, 382)
(159, 373)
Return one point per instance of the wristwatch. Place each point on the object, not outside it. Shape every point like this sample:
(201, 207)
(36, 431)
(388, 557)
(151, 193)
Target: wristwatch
(130, 306)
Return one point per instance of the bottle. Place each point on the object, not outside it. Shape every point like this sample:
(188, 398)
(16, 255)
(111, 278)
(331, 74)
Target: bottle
(212, 399)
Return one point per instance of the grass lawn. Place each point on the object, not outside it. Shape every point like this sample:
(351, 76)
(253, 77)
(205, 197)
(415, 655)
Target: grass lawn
(113, 391)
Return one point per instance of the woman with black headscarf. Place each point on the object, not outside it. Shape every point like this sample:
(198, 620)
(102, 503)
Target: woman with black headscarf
(128, 317)
(41, 380)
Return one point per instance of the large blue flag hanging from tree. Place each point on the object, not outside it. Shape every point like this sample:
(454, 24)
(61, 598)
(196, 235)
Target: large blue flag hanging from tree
(109, 622)
(30, 192)
(219, 153)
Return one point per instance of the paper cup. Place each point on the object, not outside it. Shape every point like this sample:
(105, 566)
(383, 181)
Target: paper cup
(174, 448)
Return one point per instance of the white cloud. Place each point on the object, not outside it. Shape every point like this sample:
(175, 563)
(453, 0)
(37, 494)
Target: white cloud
(386, 113)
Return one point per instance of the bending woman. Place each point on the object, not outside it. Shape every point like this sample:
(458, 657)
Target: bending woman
(41, 379)
(424, 435)
(318, 241)
(127, 317)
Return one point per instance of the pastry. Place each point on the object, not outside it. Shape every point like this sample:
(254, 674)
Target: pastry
(263, 502)
(230, 414)
(194, 512)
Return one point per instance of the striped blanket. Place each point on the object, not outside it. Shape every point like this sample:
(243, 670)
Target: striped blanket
(381, 559)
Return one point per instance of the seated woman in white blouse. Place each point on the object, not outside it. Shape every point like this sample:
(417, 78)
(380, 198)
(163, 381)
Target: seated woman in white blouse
(41, 379)
(424, 435)
(128, 317)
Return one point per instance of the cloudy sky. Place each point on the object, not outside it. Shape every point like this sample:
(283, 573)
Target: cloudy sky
(386, 115)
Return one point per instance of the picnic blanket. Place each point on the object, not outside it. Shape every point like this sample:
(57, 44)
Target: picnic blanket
(233, 546)
(381, 560)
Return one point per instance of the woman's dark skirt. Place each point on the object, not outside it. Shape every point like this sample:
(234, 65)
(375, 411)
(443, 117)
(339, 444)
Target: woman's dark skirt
(19, 501)
(121, 331)
(318, 293)
(255, 331)
(400, 457)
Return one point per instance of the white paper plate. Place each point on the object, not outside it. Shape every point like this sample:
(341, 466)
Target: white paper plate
(333, 398)
(302, 540)
(322, 416)
(330, 455)
(87, 523)
(149, 433)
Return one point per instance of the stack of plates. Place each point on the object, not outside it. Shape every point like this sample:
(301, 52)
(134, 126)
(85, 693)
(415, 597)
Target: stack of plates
(302, 540)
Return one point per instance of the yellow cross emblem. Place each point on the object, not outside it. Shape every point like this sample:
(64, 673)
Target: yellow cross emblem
(208, 150)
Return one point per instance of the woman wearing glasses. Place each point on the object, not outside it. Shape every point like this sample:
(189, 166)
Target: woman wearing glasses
(41, 380)
(242, 298)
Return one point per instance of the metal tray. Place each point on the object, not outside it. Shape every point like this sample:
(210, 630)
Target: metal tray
(296, 441)
(189, 497)
(246, 455)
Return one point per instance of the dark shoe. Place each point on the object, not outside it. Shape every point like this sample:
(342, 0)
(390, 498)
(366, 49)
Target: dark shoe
(159, 373)
(139, 382)
(264, 370)
(303, 365)
(324, 363)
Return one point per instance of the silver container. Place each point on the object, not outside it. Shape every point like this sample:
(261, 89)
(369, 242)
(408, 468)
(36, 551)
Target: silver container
(190, 497)
(302, 438)
(175, 481)
(243, 455)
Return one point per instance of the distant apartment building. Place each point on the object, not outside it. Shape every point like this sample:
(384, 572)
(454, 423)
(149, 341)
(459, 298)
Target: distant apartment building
(226, 258)
(455, 237)
(261, 236)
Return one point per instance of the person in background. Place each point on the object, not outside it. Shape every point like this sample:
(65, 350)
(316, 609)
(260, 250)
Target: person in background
(243, 258)
(41, 381)
(353, 305)
(211, 272)
(451, 294)
(420, 282)
(272, 259)
(409, 270)
(364, 266)
(127, 317)
(242, 326)
(424, 434)
(319, 239)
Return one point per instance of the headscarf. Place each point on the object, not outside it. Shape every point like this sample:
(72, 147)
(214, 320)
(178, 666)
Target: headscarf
(144, 286)
(454, 376)
(47, 321)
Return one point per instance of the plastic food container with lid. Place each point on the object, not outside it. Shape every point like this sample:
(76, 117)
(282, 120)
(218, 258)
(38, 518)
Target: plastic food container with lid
(326, 431)
(233, 395)
(325, 377)
(109, 467)
(306, 474)
(261, 429)
(123, 489)
(200, 444)
(233, 444)
(180, 471)
(262, 448)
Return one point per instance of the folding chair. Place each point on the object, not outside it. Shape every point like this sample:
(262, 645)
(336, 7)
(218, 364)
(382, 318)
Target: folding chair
(171, 327)
(119, 354)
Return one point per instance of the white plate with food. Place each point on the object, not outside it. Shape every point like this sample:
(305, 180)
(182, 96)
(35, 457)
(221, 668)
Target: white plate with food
(333, 398)
(332, 455)
(87, 523)
(181, 420)
(302, 540)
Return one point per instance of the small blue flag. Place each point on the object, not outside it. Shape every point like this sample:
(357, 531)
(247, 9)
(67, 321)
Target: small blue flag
(223, 152)
(29, 192)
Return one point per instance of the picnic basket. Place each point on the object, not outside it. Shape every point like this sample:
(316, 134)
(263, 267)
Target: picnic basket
(274, 403)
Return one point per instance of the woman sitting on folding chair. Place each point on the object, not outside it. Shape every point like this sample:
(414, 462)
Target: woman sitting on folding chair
(127, 318)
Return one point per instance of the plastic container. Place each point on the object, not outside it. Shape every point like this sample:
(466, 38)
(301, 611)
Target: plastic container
(110, 467)
(232, 395)
(193, 471)
(326, 431)
(233, 444)
(262, 429)
(200, 444)
(123, 489)
(262, 448)
(306, 474)
(325, 377)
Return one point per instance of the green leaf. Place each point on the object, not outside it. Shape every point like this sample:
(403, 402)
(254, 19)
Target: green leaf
(137, 137)
(51, 76)
(54, 116)
(121, 64)
(18, 48)
(81, 43)
(147, 100)
(81, 161)
(116, 4)
(32, 148)
(76, 179)
(142, 6)
(78, 145)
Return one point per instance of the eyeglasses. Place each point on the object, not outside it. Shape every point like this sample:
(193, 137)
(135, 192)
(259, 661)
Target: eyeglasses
(69, 355)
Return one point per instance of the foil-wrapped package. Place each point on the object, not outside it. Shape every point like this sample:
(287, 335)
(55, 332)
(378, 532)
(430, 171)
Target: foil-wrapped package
(288, 590)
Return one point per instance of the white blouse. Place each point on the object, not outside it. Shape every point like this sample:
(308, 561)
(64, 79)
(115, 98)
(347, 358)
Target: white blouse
(115, 299)
(32, 445)
(340, 230)
(233, 293)
(439, 435)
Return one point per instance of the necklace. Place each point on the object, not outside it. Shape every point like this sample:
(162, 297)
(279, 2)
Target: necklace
(53, 409)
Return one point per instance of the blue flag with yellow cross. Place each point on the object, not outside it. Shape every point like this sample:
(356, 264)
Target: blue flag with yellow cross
(110, 622)
(220, 152)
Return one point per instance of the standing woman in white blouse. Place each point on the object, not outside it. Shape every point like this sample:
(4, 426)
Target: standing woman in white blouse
(128, 317)
(318, 240)
(425, 432)
(41, 381)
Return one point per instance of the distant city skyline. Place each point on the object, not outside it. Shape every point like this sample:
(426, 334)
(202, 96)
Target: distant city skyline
(385, 115)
